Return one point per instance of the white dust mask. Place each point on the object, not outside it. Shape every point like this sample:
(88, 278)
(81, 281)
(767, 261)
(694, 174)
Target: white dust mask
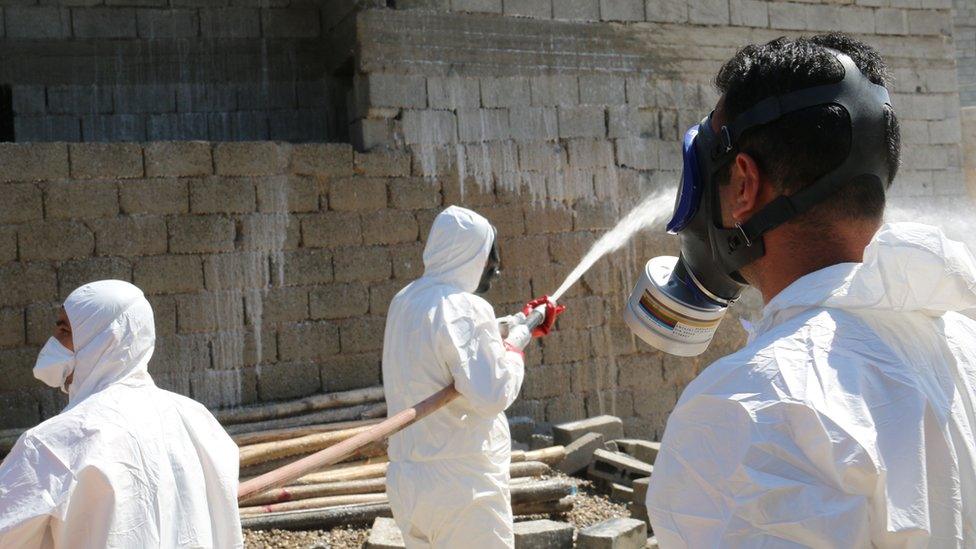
(54, 363)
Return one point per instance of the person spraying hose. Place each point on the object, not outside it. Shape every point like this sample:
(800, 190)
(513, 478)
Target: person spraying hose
(448, 474)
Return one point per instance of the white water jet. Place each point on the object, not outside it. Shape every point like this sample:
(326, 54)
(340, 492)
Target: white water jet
(650, 211)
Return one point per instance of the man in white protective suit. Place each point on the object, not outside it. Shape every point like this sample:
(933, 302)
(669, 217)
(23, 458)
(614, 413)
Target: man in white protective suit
(848, 419)
(125, 464)
(448, 475)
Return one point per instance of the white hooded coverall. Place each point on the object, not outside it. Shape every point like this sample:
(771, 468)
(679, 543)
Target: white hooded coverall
(848, 419)
(448, 474)
(126, 464)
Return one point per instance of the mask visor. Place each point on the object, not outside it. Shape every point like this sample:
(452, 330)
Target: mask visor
(690, 189)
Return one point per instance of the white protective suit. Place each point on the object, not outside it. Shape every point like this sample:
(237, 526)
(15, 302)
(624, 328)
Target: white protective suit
(848, 419)
(448, 475)
(126, 464)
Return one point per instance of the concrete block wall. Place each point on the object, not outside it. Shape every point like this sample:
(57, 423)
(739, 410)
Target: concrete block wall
(964, 35)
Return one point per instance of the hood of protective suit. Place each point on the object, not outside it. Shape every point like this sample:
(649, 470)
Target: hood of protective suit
(114, 335)
(907, 267)
(457, 248)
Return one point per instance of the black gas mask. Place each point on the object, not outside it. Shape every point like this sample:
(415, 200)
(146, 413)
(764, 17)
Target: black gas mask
(491, 268)
(679, 302)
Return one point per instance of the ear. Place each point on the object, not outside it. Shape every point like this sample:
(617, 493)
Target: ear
(748, 187)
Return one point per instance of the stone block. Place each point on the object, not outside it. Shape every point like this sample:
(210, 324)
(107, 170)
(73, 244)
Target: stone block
(229, 22)
(366, 263)
(291, 22)
(8, 244)
(130, 236)
(201, 234)
(453, 92)
(550, 381)
(15, 369)
(539, 9)
(389, 90)
(72, 99)
(385, 534)
(28, 99)
(45, 128)
(285, 305)
(600, 89)
(27, 283)
(176, 127)
(620, 493)
(307, 267)
(382, 163)
(554, 219)
(21, 202)
(288, 380)
(643, 450)
(709, 12)
(168, 274)
(615, 533)
(554, 90)
(145, 98)
(154, 196)
(525, 252)
(509, 220)
(362, 334)
(482, 6)
(178, 159)
(73, 274)
(269, 95)
(590, 153)
(539, 440)
(37, 23)
(622, 10)
(358, 194)
(748, 13)
(345, 372)
(887, 21)
(389, 227)
(33, 161)
(576, 10)
(610, 427)
(238, 126)
(237, 270)
(505, 92)
(101, 160)
(579, 453)
(206, 97)
(222, 195)
(331, 229)
(336, 301)
(582, 122)
(414, 193)
(113, 127)
(328, 159)
(639, 153)
(250, 158)
(55, 240)
(40, 321)
(541, 156)
(482, 125)
(564, 407)
(666, 11)
(407, 260)
(428, 127)
(615, 467)
(164, 313)
(74, 200)
(543, 534)
(371, 133)
(521, 428)
(307, 340)
(640, 490)
(625, 121)
(12, 331)
(167, 23)
(533, 123)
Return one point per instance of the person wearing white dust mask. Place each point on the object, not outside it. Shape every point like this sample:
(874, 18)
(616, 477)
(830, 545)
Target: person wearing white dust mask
(848, 419)
(125, 464)
(448, 474)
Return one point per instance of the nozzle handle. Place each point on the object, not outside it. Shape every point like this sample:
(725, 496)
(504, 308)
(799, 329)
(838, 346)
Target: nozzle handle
(536, 317)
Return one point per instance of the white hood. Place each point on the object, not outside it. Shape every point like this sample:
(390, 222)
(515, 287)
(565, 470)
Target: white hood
(114, 335)
(457, 248)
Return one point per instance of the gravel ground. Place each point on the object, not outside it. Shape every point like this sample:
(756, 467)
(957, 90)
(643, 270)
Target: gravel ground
(589, 508)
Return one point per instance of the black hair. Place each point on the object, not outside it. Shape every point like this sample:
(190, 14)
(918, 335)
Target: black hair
(795, 150)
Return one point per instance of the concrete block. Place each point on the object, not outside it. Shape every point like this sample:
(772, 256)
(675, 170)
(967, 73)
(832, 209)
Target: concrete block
(42, 240)
(389, 90)
(201, 234)
(543, 534)
(168, 23)
(307, 340)
(153, 196)
(12, 331)
(331, 229)
(21, 202)
(564, 407)
(229, 22)
(453, 92)
(389, 227)
(15, 368)
(616, 533)
(429, 127)
(509, 220)
(328, 159)
(407, 262)
(638, 153)
(178, 159)
(889, 21)
(478, 125)
(555, 219)
(582, 122)
(288, 380)
(621, 10)
(222, 195)
(505, 92)
(539, 9)
(8, 244)
(709, 12)
(33, 161)
(478, 6)
(130, 236)
(27, 283)
(168, 274)
(290, 23)
(177, 127)
(104, 23)
(640, 490)
(345, 372)
(930, 23)
(37, 23)
(337, 301)
(238, 126)
(385, 534)
(70, 99)
(358, 194)
(285, 305)
(521, 428)
(205, 97)
(438, 5)
(538, 441)
(609, 426)
(625, 121)
(554, 90)
(414, 193)
(361, 334)
(299, 125)
(367, 264)
(369, 133)
(30, 99)
(250, 158)
(621, 494)
(113, 127)
(40, 319)
(96, 160)
(590, 153)
(616, 467)
(382, 163)
(579, 453)
(46, 128)
(643, 450)
(576, 10)
(280, 194)
(667, 11)
(73, 274)
(541, 156)
(533, 123)
(600, 89)
(268, 95)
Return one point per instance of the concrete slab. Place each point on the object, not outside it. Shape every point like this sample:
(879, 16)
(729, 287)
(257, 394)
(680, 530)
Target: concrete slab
(611, 427)
(579, 453)
(543, 534)
(617, 533)
(616, 467)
